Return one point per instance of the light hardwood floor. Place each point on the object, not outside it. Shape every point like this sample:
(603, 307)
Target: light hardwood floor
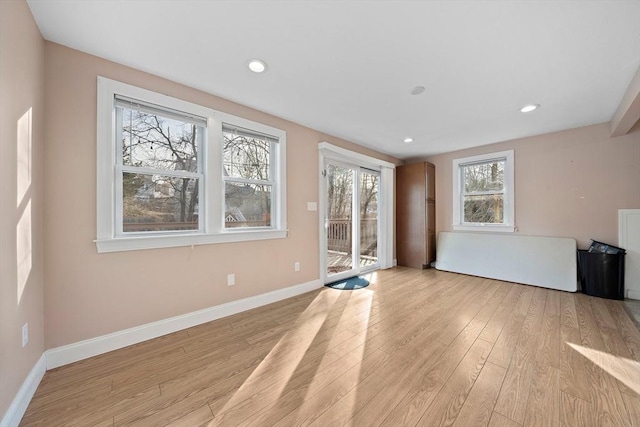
(414, 348)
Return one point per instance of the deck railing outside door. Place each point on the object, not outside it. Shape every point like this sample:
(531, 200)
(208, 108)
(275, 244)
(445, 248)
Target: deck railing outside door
(339, 236)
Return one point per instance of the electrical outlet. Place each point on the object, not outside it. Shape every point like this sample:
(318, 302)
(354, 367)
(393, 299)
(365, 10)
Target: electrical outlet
(231, 279)
(296, 266)
(25, 334)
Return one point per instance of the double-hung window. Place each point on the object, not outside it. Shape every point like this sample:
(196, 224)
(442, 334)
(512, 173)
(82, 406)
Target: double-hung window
(159, 171)
(483, 196)
(248, 174)
(173, 173)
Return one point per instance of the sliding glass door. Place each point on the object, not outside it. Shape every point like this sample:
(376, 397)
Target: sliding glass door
(369, 190)
(351, 220)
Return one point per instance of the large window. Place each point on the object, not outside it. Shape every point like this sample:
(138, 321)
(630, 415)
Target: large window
(172, 173)
(159, 169)
(248, 177)
(483, 192)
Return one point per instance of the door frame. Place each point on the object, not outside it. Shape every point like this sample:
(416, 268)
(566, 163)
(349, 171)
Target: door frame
(385, 209)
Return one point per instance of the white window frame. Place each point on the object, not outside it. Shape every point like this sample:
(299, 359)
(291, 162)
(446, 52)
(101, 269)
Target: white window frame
(212, 221)
(508, 225)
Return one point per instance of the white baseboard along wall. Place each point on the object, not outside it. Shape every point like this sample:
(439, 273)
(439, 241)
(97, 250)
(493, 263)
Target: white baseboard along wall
(64, 355)
(19, 405)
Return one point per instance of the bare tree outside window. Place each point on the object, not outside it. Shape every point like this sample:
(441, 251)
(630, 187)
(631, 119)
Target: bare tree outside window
(339, 189)
(248, 178)
(368, 195)
(160, 172)
(369, 188)
(483, 192)
(163, 181)
(342, 181)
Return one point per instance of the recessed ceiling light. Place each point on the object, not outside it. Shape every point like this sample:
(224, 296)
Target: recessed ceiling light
(417, 90)
(257, 65)
(529, 108)
(408, 140)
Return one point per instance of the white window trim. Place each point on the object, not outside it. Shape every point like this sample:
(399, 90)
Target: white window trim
(509, 197)
(213, 232)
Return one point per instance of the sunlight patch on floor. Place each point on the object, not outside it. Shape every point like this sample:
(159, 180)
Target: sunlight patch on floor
(356, 343)
(286, 355)
(625, 370)
(352, 398)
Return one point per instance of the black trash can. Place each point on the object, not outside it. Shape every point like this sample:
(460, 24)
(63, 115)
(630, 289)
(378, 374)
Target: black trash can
(602, 274)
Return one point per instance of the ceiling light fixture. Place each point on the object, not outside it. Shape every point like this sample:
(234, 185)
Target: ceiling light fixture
(529, 108)
(408, 140)
(257, 65)
(417, 90)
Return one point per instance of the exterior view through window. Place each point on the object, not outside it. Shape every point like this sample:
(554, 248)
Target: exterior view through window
(483, 192)
(483, 189)
(248, 177)
(172, 173)
(349, 186)
(160, 168)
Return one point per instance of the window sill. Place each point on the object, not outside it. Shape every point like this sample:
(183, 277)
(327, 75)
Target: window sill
(485, 227)
(135, 243)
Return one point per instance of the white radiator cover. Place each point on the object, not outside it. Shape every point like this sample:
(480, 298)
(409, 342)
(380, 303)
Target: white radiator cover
(629, 239)
(548, 262)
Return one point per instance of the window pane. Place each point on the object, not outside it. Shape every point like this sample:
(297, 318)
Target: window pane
(245, 156)
(153, 141)
(159, 203)
(484, 177)
(247, 205)
(488, 209)
(339, 211)
(369, 185)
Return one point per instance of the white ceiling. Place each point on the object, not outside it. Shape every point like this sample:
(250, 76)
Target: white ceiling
(347, 67)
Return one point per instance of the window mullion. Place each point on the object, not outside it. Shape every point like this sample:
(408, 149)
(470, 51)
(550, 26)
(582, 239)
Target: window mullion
(215, 183)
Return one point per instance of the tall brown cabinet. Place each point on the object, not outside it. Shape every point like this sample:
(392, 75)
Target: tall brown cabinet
(416, 214)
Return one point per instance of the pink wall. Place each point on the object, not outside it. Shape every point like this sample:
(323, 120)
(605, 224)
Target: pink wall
(568, 184)
(90, 294)
(21, 197)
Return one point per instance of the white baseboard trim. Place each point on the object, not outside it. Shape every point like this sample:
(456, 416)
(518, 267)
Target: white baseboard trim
(64, 355)
(633, 294)
(19, 405)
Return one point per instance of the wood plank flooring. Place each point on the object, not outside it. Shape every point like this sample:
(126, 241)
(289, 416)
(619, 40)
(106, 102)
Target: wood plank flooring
(415, 348)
